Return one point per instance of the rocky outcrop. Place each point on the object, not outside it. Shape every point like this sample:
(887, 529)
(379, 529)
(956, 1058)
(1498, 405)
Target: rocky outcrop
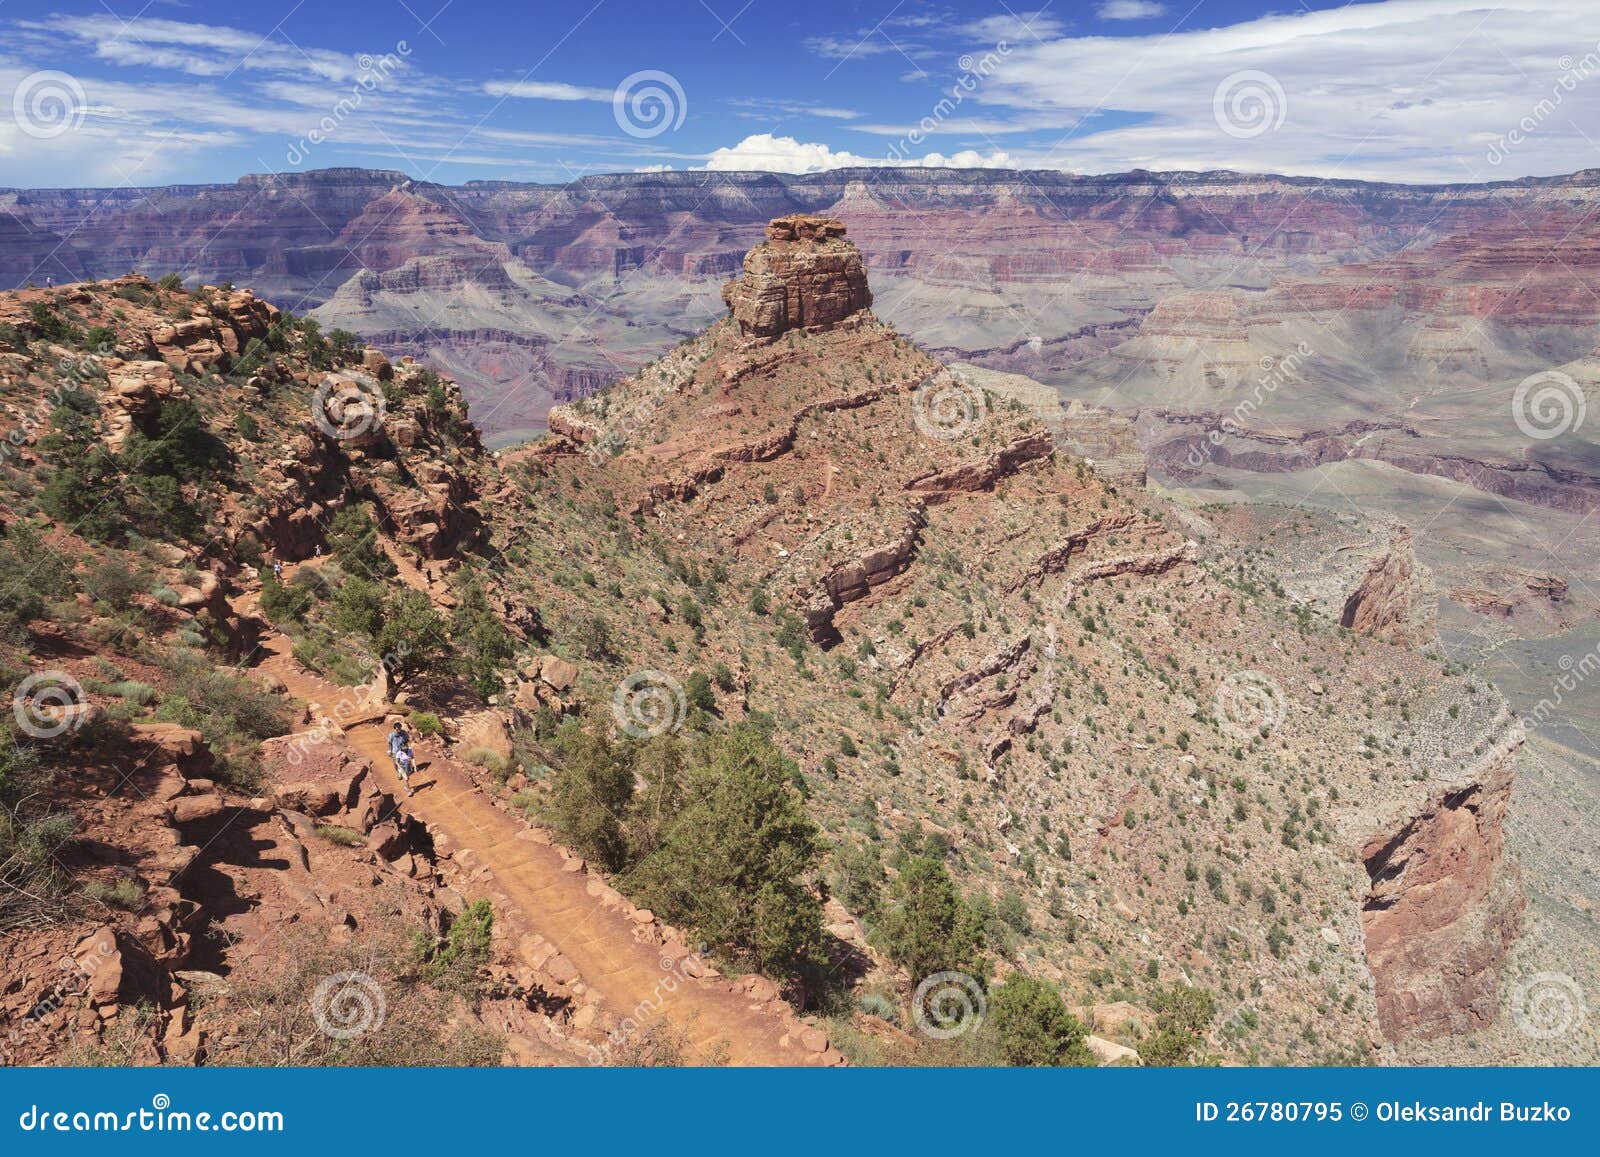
(847, 582)
(1393, 600)
(135, 393)
(983, 474)
(1443, 908)
(221, 328)
(805, 276)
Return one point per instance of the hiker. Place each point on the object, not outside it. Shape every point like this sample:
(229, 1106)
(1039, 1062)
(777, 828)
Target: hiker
(277, 569)
(400, 752)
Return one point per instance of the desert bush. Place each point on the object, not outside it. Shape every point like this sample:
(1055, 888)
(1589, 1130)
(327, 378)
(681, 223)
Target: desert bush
(1032, 1026)
(591, 786)
(232, 713)
(123, 893)
(456, 962)
(344, 837)
(928, 927)
(738, 861)
(491, 761)
(30, 574)
(420, 1025)
(1183, 1017)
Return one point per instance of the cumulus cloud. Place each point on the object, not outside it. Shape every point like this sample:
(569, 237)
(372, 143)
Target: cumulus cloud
(1403, 89)
(763, 152)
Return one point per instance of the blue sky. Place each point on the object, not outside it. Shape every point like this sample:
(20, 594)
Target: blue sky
(138, 92)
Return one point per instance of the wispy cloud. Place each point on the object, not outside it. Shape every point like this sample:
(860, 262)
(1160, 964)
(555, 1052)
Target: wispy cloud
(547, 90)
(766, 108)
(197, 49)
(1403, 89)
(1130, 10)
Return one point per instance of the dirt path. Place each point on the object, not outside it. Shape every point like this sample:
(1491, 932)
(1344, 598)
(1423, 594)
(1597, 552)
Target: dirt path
(549, 900)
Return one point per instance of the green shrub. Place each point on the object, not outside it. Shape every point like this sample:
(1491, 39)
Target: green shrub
(30, 573)
(426, 723)
(233, 714)
(1033, 1027)
(491, 761)
(482, 644)
(344, 837)
(124, 893)
(456, 963)
(878, 1005)
(132, 690)
(1183, 1016)
(591, 786)
(929, 928)
(738, 861)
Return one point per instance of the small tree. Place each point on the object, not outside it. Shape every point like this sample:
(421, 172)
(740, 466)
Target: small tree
(412, 638)
(353, 540)
(591, 787)
(1183, 1015)
(737, 863)
(483, 646)
(929, 927)
(1033, 1027)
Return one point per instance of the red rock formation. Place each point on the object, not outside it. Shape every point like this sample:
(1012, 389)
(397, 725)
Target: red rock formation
(1392, 600)
(1443, 909)
(983, 474)
(850, 581)
(806, 275)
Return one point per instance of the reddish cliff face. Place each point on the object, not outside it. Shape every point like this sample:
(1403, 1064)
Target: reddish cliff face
(1393, 600)
(806, 276)
(1443, 910)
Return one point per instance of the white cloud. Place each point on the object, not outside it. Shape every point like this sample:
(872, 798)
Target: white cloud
(547, 90)
(766, 153)
(1013, 27)
(198, 49)
(1403, 89)
(766, 108)
(1130, 10)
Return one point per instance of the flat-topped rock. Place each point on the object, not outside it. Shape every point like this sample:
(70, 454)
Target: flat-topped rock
(806, 275)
